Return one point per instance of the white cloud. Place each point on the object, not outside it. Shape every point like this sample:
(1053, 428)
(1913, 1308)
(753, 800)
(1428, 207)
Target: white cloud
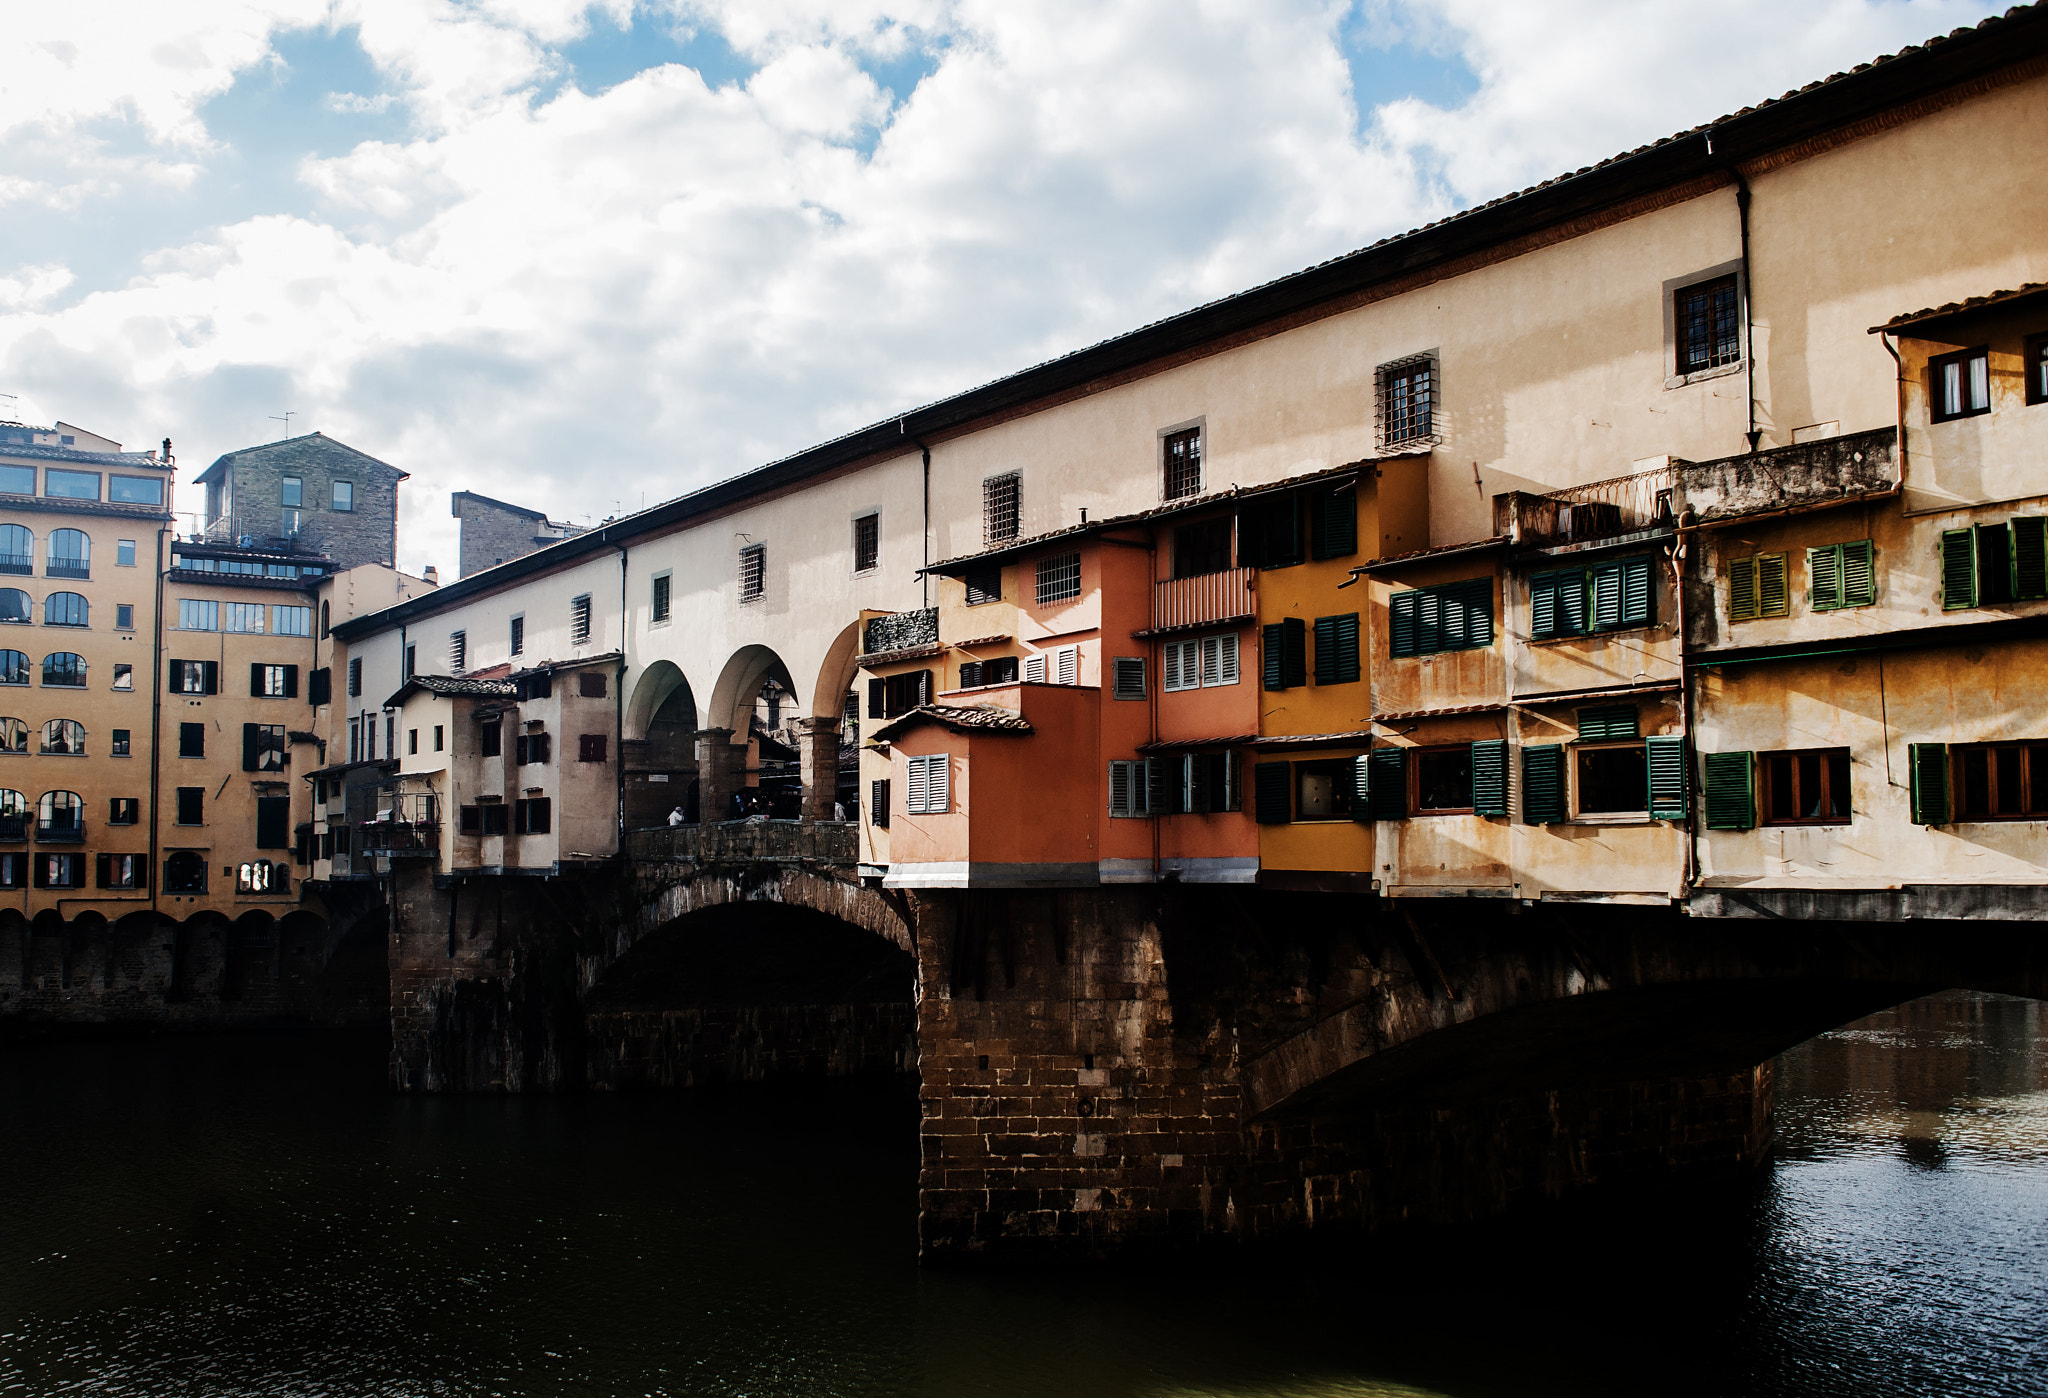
(571, 299)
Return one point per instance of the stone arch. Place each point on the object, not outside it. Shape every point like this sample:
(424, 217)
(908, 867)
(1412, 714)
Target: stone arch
(659, 746)
(740, 767)
(739, 683)
(661, 689)
(835, 676)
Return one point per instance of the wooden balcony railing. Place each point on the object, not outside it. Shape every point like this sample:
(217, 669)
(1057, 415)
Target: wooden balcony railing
(1205, 600)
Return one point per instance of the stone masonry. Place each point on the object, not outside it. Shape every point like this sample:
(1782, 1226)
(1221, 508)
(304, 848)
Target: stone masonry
(495, 532)
(252, 480)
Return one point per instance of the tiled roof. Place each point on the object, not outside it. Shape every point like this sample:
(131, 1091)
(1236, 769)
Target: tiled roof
(1446, 712)
(967, 718)
(450, 685)
(1295, 740)
(120, 460)
(1398, 560)
(1228, 740)
(1974, 303)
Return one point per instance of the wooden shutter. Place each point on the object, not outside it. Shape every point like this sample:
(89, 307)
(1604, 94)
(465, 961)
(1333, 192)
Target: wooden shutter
(2030, 558)
(319, 686)
(1859, 574)
(1361, 786)
(1337, 649)
(1336, 523)
(1731, 790)
(1120, 787)
(918, 793)
(252, 747)
(921, 685)
(1193, 769)
(1742, 589)
(1610, 721)
(1824, 578)
(256, 681)
(1667, 777)
(1638, 595)
(1543, 784)
(1326, 650)
(1475, 604)
(1958, 571)
(1773, 585)
(878, 802)
(1273, 671)
(209, 677)
(1127, 677)
(1270, 792)
(1927, 765)
(1293, 652)
(970, 674)
(273, 822)
(1557, 604)
(1402, 623)
(1389, 781)
(1490, 777)
(938, 783)
(1153, 770)
(1034, 669)
(878, 698)
(1429, 621)
(1069, 661)
(1604, 582)
(1226, 659)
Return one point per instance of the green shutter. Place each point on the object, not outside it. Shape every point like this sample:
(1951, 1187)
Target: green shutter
(1859, 574)
(1543, 784)
(1361, 787)
(1429, 621)
(1927, 765)
(1336, 523)
(1557, 604)
(1773, 594)
(1667, 777)
(1611, 721)
(1293, 653)
(1543, 606)
(1490, 777)
(1731, 791)
(1337, 649)
(1271, 645)
(1604, 582)
(1824, 578)
(2030, 558)
(1478, 612)
(1742, 598)
(1637, 594)
(1270, 792)
(1389, 783)
(1401, 623)
(1958, 570)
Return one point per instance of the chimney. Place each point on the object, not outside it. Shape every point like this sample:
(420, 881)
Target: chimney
(433, 576)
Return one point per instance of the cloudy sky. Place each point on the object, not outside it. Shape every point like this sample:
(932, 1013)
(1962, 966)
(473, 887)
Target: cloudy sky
(589, 256)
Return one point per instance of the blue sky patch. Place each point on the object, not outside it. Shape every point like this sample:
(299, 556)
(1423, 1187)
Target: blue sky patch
(608, 55)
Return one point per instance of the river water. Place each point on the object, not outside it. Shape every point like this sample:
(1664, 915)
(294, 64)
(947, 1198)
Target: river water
(255, 1215)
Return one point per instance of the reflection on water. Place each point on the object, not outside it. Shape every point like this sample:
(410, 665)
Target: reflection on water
(248, 1216)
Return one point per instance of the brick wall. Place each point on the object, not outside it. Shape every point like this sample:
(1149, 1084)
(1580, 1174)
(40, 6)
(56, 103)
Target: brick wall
(366, 534)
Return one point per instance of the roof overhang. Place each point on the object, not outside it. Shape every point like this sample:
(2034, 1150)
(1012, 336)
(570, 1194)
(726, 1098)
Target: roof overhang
(1933, 321)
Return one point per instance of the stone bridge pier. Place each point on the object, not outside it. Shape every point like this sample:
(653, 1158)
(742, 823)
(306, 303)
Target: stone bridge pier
(1121, 1069)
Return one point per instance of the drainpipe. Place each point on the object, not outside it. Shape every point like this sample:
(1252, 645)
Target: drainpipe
(1753, 434)
(1899, 375)
(1695, 799)
(924, 580)
(619, 709)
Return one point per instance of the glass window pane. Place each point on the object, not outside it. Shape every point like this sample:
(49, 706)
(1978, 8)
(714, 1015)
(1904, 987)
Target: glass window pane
(1778, 777)
(1809, 784)
(344, 495)
(1838, 786)
(136, 490)
(2008, 783)
(18, 480)
(1613, 781)
(1980, 382)
(71, 485)
(292, 493)
(1976, 784)
(2037, 778)
(1444, 779)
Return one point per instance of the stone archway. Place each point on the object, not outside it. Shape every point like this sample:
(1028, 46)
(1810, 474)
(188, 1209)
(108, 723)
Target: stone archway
(659, 747)
(748, 756)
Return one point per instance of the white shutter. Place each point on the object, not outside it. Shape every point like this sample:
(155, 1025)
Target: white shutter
(1219, 659)
(1069, 658)
(938, 783)
(916, 796)
(1034, 669)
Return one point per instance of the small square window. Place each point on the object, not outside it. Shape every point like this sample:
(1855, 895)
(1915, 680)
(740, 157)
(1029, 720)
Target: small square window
(1407, 400)
(124, 676)
(579, 620)
(1707, 319)
(1959, 384)
(1324, 790)
(124, 616)
(753, 572)
(124, 810)
(1804, 788)
(662, 582)
(191, 740)
(867, 542)
(438, 738)
(292, 492)
(1183, 463)
(984, 586)
(121, 743)
(124, 553)
(591, 685)
(1001, 507)
(1443, 780)
(1614, 780)
(191, 805)
(345, 496)
(518, 635)
(412, 742)
(1059, 578)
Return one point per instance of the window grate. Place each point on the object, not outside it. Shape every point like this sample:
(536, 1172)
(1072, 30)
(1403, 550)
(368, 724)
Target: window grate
(1407, 400)
(1184, 464)
(753, 572)
(458, 651)
(1000, 497)
(867, 542)
(1059, 578)
(1709, 325)
(579, 620)
(518, 640)
(661, 586)
(1127, 677)
(984, 586)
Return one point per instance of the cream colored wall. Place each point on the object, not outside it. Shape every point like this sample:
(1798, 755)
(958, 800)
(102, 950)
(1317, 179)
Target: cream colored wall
(1980, 460)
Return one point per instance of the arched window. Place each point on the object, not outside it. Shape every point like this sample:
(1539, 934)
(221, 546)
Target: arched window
(64, 609)
(324, 628)
(13, 735)
(15, 605)
(13, 667)
(70, 555)
(64, 669)
(61, 816)
(64, 737)
(185, 872)
(13, 815)
(13, 803)
(17, 549)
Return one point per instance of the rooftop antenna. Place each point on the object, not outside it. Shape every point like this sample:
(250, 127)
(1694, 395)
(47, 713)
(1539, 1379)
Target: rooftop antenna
(289, 414)
(10, 412)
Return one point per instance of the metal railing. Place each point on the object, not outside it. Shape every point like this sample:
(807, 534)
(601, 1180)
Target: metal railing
(21, 563)
(13, 828)
(71, 832)
(1598, 510)
(1203, 599)
(67, 568)
(399, 837)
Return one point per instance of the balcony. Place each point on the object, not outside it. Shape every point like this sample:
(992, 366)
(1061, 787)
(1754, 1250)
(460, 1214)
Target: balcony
(60, 832)
(1807, 473)
(1609, 509)
(406, 824)
(23, 564)
(13, 829)
(900, 631)
(68, 568)
(748, 842)
(1208, 599)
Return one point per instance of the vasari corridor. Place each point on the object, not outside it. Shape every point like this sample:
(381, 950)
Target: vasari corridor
(1469, 820)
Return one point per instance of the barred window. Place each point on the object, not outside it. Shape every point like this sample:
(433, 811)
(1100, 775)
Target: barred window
(661, 596)
(1059, 578)
(518, 637)
(1183, 463)
(579, 619)
(1407, 400)
(867, 542)
(458, 651)
(1708, 316)
(753, 572)
(999, 507)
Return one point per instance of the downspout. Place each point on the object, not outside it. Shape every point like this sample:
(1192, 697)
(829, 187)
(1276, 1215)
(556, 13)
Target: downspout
(1899, 376)
(924, 580)
(1695, 797)
(156, 723)
(1753, 434)
(1153, 681)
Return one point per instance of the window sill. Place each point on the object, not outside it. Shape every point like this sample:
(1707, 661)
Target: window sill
(1616, 818)
(1719, 371)
(1825, 824)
